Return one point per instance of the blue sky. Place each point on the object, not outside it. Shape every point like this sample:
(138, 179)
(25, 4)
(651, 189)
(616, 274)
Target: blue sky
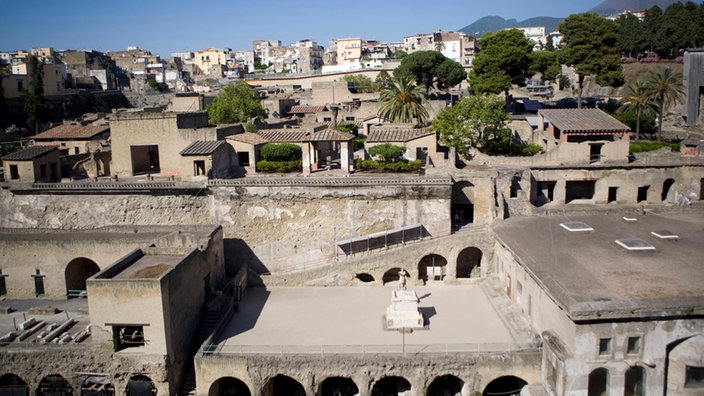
(165, 26)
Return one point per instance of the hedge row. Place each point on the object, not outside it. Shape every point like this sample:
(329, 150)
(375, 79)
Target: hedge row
(279, 166)
(388, 167)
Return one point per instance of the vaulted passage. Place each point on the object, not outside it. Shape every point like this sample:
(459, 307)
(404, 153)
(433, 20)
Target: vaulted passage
(507, 385)
(140, 385)
(432, 267)
(391, 386)
(447, 385)
(54, 385)
(468, 262)
(13, 385)
(391, 275)
(97, 386)
(77, 271)
(598, 382)
(338, 386)
(635, 382)
(282, 385)
(228, 386)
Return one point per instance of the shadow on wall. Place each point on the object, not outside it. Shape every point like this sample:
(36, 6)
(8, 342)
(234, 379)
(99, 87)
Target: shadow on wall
(238, 254)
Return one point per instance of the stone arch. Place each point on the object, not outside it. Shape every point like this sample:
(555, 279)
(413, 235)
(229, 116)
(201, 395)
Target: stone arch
(391, 275)
(97, 386)
(13, 385)
(365, 277)
(666, 186)
(391, 386)
(283, 385)
(140, 385)
(77, 271)
(598, 382)
(684, 364)
(228, 386)
(436, 261)
(469, 262)
(446, 385)
(507, 385)
(338, 386)
(635, 382)
(54, 385)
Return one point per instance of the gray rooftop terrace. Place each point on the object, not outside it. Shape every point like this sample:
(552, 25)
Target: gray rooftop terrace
(592, 277)
(460, 318)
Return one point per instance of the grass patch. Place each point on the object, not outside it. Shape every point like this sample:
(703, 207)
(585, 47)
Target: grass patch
(643, 146)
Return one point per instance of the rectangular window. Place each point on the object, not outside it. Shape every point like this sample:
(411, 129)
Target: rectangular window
(633, 345)
(38, 283)
(595, 153)
(642, 193)
(76, 150)
(42, 171)
(14, 173)
(20, 86)
(694, 377)
(243, 158)
(613, 194)
(327, 119)
(605, 346)
(198, 167)
(128, 336)
(350, 118)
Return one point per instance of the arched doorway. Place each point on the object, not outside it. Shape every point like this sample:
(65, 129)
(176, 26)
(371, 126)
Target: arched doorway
(391, 386)
(228, 386)
(282, 385)
(338, 386)
(508, 385)
(446, 385)
(432, 267)
(97, 386)
(666, 188)
(635, 382)
(140, 385)
(77, 271)
(54, 385)
(365, 278)
(391, 275)
(469, 262)
(598, 382)
(13, 385)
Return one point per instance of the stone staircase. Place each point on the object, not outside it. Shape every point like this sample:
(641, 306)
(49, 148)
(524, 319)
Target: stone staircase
(510, 312)
(207, 325)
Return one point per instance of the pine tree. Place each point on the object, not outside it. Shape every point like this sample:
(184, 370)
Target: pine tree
(35, 105)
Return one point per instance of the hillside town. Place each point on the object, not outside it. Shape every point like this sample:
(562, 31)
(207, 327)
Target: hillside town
(516, 213)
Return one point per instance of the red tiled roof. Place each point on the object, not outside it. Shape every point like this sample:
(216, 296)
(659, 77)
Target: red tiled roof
(202, 147)
(284, 135)
(248, 137)
(306, 109)
(396, 135)
(583, 120)
(72, 132)
(329, 135)
(29, 153)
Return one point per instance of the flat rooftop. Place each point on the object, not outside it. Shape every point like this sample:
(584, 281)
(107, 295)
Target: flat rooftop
(350, 319)
(592, 276)
(149, 266)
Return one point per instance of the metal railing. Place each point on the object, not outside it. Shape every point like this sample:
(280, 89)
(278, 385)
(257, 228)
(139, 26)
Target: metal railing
(384, 349)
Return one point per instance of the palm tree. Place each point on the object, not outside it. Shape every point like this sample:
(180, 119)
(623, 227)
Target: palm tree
(403, 101)
(637, 100)
(666, 89)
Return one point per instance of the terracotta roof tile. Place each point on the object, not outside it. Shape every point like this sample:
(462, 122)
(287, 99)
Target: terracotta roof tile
(329, 135)
(248, 137)
(284, 135)
(72, 132)
(306, 109)
(202, 147)
(29, 153)
(583, 120)
(396, 135)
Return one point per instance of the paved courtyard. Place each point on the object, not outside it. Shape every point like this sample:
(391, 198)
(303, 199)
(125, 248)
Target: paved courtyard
(459, 316)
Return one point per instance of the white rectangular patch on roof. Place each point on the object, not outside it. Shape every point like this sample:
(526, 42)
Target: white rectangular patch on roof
(664, 234)
(634, 244)
(576, 226)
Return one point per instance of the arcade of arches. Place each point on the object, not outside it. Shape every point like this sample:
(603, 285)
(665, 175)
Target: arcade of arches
(77, 272)
(444, 385)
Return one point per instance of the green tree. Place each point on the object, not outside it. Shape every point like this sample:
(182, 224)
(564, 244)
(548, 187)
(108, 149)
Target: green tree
(3, 110)
(547, 64)
(281, 152)
(588, 45)
(471, 122)
(403, 101)
(400, 54)
(360, 83)
(35, 104)
(666, 89)
(630, 35)
(387, 152)
(504, 60)
(383, 80)
(431, 68)
(637, 100)
(236, 103)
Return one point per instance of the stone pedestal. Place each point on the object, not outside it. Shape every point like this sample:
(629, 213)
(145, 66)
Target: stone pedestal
(403, 312)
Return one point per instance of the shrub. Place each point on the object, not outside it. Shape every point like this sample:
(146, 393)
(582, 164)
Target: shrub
(281, 152)
(349, 128)
(387, 152)
(388, 167)
(643, 146)
(279, 166)
(250, 127)
(358, 143)
(531, 149)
